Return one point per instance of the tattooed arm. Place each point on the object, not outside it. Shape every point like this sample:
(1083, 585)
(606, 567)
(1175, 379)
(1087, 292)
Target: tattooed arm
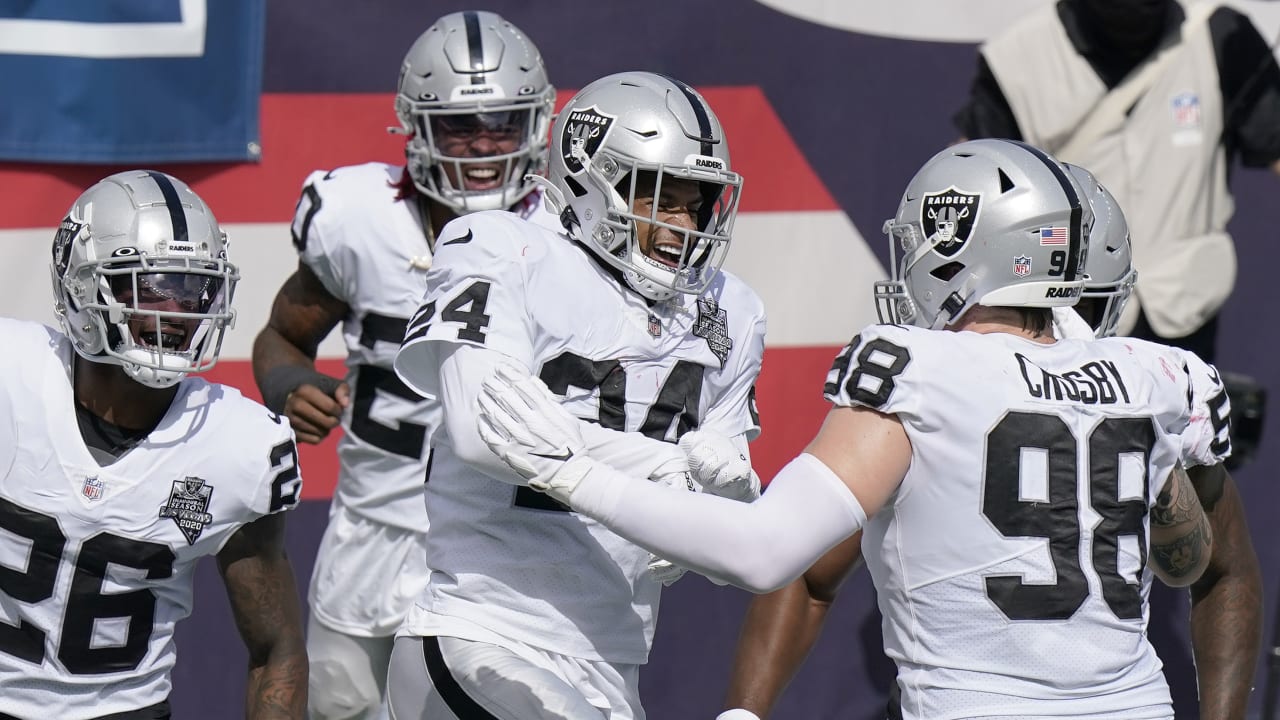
(1226, 602)
(1180, 533)
(265, 604)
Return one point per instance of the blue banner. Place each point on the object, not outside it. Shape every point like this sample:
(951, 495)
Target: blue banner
(130, 81)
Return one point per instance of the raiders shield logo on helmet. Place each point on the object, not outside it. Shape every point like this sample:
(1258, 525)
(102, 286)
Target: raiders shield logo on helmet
(948, 218)
(582, 135)
(67, 234)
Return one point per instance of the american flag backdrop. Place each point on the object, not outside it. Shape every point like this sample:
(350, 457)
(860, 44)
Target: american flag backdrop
(828, 111)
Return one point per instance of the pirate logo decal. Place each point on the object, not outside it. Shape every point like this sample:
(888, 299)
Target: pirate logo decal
(712, 325)
(948, 218)
(583, 133)
(67, 234)
(188, 506)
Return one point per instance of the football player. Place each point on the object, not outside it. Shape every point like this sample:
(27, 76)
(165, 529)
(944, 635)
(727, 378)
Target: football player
(475, 104)
(532, 610)
(1226, 602)
(1016, 492)
(781, 627)
(115, 475)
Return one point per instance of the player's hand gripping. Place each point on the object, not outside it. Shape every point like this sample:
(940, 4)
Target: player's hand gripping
(527, 428)
(315, 408)
(719, 467)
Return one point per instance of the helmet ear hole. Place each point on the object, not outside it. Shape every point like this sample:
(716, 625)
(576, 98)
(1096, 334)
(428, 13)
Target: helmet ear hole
(947, 271)
(575, 187)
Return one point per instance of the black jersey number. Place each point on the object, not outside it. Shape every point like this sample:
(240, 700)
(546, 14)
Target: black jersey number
(311, 197)
(1220, 421)
(1058, 520)
(286, 485)
(871, 377)
(675, 408)
(467, 307)
(408, 438)
(86, 601)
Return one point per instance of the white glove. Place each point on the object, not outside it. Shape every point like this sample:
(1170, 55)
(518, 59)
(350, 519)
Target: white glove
(523, 424)
(737, 714)
(719, 466)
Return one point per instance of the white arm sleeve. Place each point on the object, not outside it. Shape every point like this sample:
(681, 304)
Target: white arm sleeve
(642, 456)
(463, 369)
(759, 546)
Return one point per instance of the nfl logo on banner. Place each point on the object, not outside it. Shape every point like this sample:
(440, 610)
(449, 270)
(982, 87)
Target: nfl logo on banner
(1022, 266)
(92, 488)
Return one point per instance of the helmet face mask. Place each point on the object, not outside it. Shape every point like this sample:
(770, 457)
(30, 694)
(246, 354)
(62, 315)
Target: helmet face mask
(141, 278)
(642, 168)
(476, 104)
(986, 222)
(660, 255)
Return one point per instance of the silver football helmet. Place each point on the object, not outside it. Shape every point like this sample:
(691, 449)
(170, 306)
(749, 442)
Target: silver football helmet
(141, 277)
(624, 137)
(985, 222)
(1109, 267)
(474, 73)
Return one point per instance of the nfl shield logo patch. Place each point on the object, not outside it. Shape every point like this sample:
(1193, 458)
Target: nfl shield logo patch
(1186, 110)
(92, 488)
(1022, 266)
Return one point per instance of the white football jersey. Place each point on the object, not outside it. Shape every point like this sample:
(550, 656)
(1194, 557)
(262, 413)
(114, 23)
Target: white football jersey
(1207, 439)
(507, 558)
(97, 563)
(1010, 565)
(367, 246)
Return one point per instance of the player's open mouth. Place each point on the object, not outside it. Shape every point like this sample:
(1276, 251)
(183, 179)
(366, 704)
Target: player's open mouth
(172, 339)
(668, 254)
(484, 177)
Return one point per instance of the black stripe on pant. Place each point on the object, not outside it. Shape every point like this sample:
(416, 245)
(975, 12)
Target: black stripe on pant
(459, 702)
